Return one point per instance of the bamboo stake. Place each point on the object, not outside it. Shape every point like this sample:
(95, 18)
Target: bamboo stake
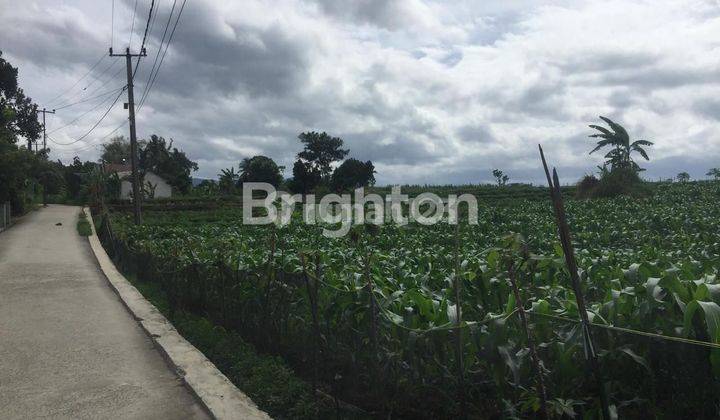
(568, 250)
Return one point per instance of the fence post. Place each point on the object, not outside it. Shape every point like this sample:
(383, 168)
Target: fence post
(568, 250)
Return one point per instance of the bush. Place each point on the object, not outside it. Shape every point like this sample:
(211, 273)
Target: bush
(83, 225)
(586, 187)
(614, 183)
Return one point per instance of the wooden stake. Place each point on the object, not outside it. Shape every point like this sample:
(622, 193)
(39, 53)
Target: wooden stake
(569, 252)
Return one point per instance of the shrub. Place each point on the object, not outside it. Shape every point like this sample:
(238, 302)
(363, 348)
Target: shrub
(587, 185)
(83, 225)
(614, 183)
(620, 181)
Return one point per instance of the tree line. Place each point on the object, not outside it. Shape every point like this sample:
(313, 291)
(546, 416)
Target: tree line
(312, 171)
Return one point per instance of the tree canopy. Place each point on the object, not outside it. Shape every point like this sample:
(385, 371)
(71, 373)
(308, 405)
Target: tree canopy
(18, 114)
(352, 174)
(21, 170)
(155, 155)
(117, 150)
(158, 156)
(321, 150)
(261, 169)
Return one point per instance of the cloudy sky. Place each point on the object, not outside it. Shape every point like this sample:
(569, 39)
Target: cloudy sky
(430, 91)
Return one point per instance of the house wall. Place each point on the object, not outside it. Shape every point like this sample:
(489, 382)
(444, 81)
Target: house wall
(162, 189)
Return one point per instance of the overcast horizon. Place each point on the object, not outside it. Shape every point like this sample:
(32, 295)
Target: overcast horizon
(431, 93)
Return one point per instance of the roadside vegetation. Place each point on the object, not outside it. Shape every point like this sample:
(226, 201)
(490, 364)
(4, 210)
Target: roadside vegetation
(266, 379)
(83, 225)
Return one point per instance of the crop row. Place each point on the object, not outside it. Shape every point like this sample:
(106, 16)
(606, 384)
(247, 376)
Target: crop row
(372, 317)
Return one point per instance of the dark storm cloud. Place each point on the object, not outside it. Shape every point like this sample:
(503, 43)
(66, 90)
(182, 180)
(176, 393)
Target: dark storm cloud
(392, 150)
(382, 13)
(710, 108)
(212, 56)
(476, 134)
(57, 41)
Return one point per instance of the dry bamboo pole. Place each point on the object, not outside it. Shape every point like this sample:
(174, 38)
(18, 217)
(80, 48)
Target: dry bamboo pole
(531, 343)
(569, 251)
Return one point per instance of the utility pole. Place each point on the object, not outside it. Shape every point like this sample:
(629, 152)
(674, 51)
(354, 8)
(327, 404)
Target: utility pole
(137, 196)
(44, 111)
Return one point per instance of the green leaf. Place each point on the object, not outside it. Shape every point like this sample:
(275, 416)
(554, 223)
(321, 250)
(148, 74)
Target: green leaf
(711, 312)
(638, 359)
(654, 291)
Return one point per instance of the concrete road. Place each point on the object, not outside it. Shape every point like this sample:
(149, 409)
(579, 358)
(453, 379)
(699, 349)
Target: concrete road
(68, 346)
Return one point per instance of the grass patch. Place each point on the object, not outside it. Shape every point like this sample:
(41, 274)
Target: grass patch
(83, 225)
(267, 380)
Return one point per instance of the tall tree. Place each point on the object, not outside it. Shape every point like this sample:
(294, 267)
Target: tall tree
(352, 174)
(320, 151)
(20, 169)
(620, 155)
(117, 150)
(18, 114)
(155, 155)
(171, 164)
(261, 169)
(305, 177)
(683, 177)
(715, 173)
(500, 177)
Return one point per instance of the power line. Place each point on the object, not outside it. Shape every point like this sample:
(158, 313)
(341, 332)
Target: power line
(132, 28)
(111, 79)
(157, 55)
(97, 123)
(86, 100)
(167, 46)
(92, 143)
(112, 25)
(78, 81)
(85, 113)
(147, 26)
(100, 76)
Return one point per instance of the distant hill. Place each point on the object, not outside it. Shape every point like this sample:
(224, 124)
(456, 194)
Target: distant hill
(197, 181)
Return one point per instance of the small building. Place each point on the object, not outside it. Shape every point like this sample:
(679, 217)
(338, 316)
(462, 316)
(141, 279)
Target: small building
(153, 185)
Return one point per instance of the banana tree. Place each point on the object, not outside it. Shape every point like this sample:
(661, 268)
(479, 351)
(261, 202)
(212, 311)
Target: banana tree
(620, 156)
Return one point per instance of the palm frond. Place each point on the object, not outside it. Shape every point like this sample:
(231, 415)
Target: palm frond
(600, 145)
(618, 129)
(601, 129)
(640, 150)
(642, 143)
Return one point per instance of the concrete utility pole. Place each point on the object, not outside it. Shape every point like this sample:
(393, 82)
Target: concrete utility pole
(44, 111)
(137, 195)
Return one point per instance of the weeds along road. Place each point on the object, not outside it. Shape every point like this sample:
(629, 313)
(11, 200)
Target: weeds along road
(68, 346)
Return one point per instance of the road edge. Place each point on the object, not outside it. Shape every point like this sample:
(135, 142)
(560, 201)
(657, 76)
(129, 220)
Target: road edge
(213, 389)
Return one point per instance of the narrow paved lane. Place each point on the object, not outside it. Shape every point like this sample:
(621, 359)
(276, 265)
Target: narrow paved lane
(68, 346)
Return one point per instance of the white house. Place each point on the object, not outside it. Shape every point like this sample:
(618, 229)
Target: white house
(154, 185)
